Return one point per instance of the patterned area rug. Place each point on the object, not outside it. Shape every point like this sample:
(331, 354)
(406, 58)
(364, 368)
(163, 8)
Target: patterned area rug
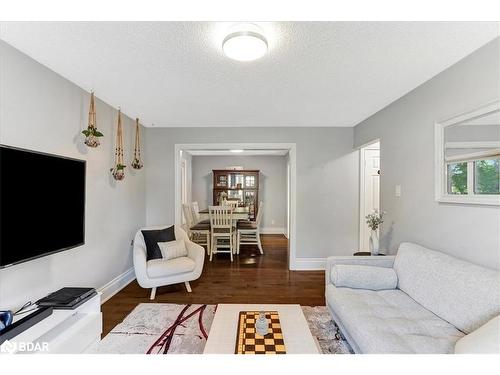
(160, 328)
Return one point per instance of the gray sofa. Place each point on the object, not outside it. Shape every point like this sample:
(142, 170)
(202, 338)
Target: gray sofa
(430, 302)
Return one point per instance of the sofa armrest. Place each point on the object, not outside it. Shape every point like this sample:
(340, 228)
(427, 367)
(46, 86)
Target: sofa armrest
(196, 253)
(377, 261)
(140, 264)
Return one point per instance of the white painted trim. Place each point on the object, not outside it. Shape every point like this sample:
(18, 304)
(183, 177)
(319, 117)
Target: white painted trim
(440, 178)
(480, 155)
(273, 230)
(310, 264)
(117, 284)
(292, 152)
(472, 115)
(475, 144)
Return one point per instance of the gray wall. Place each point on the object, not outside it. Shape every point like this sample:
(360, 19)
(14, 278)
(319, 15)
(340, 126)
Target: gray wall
(327, 180)
(406, 131)
(40, 110)
(272, 190)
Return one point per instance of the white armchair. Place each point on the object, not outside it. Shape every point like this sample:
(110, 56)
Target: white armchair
(160, 272)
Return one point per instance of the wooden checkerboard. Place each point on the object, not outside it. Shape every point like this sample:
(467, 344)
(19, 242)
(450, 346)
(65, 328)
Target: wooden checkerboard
(248, 341)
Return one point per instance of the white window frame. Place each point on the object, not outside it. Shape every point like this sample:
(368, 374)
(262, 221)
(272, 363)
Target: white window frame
(441, 170)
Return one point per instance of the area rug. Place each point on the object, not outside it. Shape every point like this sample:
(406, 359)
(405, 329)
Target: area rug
(161, 328)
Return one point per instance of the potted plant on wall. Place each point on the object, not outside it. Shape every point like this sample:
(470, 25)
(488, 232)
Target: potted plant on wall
(118, 172)
(374, 220)
(137, 163)
(92, 135)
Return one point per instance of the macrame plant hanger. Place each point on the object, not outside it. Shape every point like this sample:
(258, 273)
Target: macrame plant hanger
(118, 171)
(92, 135)
(137, 163)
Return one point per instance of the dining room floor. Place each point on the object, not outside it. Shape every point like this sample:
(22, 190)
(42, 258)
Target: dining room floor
(251, 278)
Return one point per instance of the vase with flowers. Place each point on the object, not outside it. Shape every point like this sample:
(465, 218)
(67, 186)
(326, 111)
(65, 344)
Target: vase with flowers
(374, 220)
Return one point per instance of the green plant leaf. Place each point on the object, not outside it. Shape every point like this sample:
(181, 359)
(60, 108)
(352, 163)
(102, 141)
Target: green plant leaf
(86, 133)
(98, 133)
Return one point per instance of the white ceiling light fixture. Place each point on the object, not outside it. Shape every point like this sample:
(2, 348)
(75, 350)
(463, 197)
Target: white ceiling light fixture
(245, 42)
(237, 151)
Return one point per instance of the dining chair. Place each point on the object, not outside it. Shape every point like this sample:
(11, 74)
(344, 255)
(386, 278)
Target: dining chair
(197, 232)
(248, 232)
(221, 224)
(231, 203)
(195, 208)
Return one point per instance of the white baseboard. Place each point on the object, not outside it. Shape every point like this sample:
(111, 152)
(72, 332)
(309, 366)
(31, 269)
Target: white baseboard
(117, 284)
(272, 230)
(309, 264)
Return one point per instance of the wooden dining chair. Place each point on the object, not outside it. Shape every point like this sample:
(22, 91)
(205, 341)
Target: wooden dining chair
(231, 203)
(221, 224)
(195, 208)
(197, 232)
(248, 232)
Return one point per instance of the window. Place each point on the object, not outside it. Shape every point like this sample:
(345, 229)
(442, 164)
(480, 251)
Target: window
(467, 149)
(457, 178)
(487, 176)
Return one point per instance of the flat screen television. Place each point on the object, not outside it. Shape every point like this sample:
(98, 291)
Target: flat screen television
(42, 204)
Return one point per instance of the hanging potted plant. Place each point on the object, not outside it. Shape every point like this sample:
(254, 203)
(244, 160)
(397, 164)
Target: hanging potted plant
(92, 135)
(118, 172)
(137, 163)
(374, 220)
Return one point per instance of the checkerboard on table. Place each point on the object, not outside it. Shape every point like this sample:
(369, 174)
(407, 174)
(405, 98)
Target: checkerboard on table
(248, 341)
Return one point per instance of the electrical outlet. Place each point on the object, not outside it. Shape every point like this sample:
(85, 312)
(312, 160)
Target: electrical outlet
(272, 222)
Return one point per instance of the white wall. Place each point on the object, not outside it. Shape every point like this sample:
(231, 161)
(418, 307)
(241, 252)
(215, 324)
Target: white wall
(272, 190)
(327, 180)
(40, 110)
(406, 130)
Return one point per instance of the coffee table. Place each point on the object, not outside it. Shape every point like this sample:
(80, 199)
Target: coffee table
(296, 334)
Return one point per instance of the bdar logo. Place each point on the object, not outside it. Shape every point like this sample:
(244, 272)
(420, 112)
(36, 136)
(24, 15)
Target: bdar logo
(7, 347)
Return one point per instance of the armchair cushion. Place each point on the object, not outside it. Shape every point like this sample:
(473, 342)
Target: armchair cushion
(173, 249)
(163, 268)
(363, 277)
(151, 239)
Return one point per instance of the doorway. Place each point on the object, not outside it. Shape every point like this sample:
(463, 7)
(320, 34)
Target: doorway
(369, 190)
(290, 149)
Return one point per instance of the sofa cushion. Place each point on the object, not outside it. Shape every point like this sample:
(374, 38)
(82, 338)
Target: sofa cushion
(153, 236)
(459, 292)
(173, 249)
(389, 321)
(164, 268)
(364, 277)
(484, 340)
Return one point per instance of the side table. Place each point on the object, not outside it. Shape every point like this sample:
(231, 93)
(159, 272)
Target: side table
(366, 253)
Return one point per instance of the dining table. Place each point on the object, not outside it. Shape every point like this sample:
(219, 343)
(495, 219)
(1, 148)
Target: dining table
(239, 213)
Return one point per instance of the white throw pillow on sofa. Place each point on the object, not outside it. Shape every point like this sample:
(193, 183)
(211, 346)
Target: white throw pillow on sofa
(364, 277)
(484, 340)
(173, 249)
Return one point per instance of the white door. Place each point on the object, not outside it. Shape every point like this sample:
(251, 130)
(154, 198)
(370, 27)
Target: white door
(184, 198)
(371, 192)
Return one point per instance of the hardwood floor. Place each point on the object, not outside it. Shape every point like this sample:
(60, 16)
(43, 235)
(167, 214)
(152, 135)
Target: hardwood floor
(251, 278)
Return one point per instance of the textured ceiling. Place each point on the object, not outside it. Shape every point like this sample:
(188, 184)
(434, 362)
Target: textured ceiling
(316, 73)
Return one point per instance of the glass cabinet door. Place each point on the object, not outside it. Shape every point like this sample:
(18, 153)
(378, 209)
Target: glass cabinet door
(250, 181)
(250, 203)
(236, 181)
(236, 194)
(221, 181)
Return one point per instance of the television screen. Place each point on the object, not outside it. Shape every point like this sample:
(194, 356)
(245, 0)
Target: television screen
(42, 204)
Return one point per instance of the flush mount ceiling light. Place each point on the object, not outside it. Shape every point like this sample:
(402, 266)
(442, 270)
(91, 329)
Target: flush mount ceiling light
(236, 151)
(245, 42)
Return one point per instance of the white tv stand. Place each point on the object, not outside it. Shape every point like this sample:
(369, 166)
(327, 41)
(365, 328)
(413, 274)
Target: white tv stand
(65, 331)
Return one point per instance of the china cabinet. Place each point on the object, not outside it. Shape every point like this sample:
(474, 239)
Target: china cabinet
(239, 185)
